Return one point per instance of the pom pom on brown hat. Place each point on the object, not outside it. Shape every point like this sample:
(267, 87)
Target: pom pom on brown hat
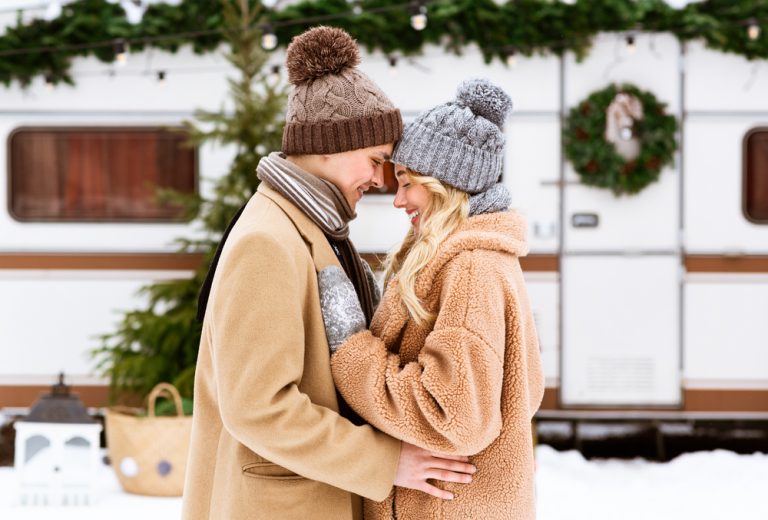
(320, 51)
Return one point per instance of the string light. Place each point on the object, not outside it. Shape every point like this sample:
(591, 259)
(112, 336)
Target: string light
(274, 74)
(268, 38)
(418, 16)
(630, 43)
(357, 9)
(49, 82)
(753, 30)
(392, 65)
(511, 58)
(120, 55)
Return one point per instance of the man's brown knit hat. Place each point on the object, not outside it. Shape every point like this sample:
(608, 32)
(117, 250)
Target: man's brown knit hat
(334, 107)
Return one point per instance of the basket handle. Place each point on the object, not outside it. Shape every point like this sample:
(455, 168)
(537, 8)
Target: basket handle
(168, 389)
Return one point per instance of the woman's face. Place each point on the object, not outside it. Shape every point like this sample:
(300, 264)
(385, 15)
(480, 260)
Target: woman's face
(411, 196)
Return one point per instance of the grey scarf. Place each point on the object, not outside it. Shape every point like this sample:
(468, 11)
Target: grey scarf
(319, 199)
(496, 198)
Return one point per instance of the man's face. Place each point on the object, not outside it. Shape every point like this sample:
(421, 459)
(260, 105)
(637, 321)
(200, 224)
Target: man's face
(356, 171)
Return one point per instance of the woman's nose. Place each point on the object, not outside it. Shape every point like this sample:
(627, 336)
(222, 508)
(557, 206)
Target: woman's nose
(399, 199)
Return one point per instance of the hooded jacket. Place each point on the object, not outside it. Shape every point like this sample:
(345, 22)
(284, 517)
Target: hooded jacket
(468, 384)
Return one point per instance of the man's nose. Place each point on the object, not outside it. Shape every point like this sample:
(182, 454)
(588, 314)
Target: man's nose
(378, 177)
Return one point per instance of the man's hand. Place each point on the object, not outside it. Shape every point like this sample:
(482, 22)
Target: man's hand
(416, 466)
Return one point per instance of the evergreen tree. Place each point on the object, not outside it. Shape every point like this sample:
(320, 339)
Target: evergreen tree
(160, 342)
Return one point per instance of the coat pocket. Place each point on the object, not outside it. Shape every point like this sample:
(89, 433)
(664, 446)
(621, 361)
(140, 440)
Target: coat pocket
(269, 471)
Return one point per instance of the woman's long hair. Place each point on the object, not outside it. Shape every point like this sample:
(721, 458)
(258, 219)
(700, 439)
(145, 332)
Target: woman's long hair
(446, 210)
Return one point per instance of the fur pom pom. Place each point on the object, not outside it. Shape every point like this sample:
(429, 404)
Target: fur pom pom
(485, 99)
(320, 51)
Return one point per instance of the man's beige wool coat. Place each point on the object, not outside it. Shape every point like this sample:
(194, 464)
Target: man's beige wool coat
(468, 385)
(267, 441)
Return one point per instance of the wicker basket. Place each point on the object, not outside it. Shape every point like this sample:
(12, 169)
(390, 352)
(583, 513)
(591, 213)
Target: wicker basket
(149, 453)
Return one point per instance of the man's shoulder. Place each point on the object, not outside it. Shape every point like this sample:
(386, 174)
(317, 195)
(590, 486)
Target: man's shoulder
(264, 218)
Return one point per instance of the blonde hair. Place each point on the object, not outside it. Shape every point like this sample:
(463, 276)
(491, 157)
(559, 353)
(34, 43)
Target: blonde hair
(446, 210)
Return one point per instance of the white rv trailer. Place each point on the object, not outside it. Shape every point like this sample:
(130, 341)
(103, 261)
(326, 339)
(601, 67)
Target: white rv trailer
(662, 305)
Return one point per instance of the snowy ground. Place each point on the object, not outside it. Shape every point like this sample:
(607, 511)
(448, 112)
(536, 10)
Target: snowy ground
(717, 485)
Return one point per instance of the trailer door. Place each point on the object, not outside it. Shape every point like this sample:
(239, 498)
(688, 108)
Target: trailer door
(621, 268)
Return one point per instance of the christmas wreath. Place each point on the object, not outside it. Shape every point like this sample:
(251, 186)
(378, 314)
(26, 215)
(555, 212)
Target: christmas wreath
(620, 138)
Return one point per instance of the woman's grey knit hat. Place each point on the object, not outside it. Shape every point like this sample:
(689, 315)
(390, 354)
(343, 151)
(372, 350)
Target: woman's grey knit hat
(461, 143)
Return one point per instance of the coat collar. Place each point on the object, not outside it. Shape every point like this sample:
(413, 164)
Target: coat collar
(504, 232)
(318, 244)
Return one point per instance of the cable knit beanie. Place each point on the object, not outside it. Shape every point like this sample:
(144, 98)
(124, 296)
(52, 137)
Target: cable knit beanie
(461, 143)
(334, 107)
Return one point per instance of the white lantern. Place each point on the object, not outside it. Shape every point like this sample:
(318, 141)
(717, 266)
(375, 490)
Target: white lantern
(57, 451)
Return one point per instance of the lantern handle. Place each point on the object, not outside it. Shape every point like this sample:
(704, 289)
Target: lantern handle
(168, 389)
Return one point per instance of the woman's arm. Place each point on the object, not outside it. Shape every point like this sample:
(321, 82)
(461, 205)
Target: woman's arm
(449, 400)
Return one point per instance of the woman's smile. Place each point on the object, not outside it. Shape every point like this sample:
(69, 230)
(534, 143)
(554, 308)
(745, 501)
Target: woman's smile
(413, 215)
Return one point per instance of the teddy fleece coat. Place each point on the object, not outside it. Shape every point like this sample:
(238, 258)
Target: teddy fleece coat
(267, 439)
(469, 384)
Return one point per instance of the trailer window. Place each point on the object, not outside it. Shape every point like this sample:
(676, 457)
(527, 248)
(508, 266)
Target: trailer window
(756, 176)
(97, 174)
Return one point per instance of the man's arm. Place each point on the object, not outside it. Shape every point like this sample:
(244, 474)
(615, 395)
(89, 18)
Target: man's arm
(449, 399)
(258, 360)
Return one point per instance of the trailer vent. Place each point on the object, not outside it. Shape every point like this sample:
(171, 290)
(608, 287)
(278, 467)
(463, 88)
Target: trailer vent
(626, 375)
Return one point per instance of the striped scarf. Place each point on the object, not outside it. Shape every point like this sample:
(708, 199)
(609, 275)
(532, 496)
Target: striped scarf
(319, 199)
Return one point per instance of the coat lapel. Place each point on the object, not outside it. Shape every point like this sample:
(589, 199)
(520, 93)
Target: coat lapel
(319, 248)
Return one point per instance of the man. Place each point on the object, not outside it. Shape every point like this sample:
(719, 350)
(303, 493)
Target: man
(268, 438)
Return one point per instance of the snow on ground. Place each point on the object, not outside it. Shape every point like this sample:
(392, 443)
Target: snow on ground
(111, 503)
(715, 485)
(718, 485)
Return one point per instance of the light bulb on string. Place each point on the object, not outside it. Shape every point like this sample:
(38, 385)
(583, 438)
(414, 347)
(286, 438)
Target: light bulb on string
(49, 82)
(268, 38)
(121, 57)
(393, 66)
(418, 16)
(631, 46)
(274, 74)
(357, 9)
(753, 30)
(511, 58)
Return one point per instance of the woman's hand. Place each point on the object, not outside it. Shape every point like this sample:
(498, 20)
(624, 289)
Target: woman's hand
(342, 314)
(417, 465)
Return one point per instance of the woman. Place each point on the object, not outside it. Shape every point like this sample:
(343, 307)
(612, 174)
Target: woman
(451, 362)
